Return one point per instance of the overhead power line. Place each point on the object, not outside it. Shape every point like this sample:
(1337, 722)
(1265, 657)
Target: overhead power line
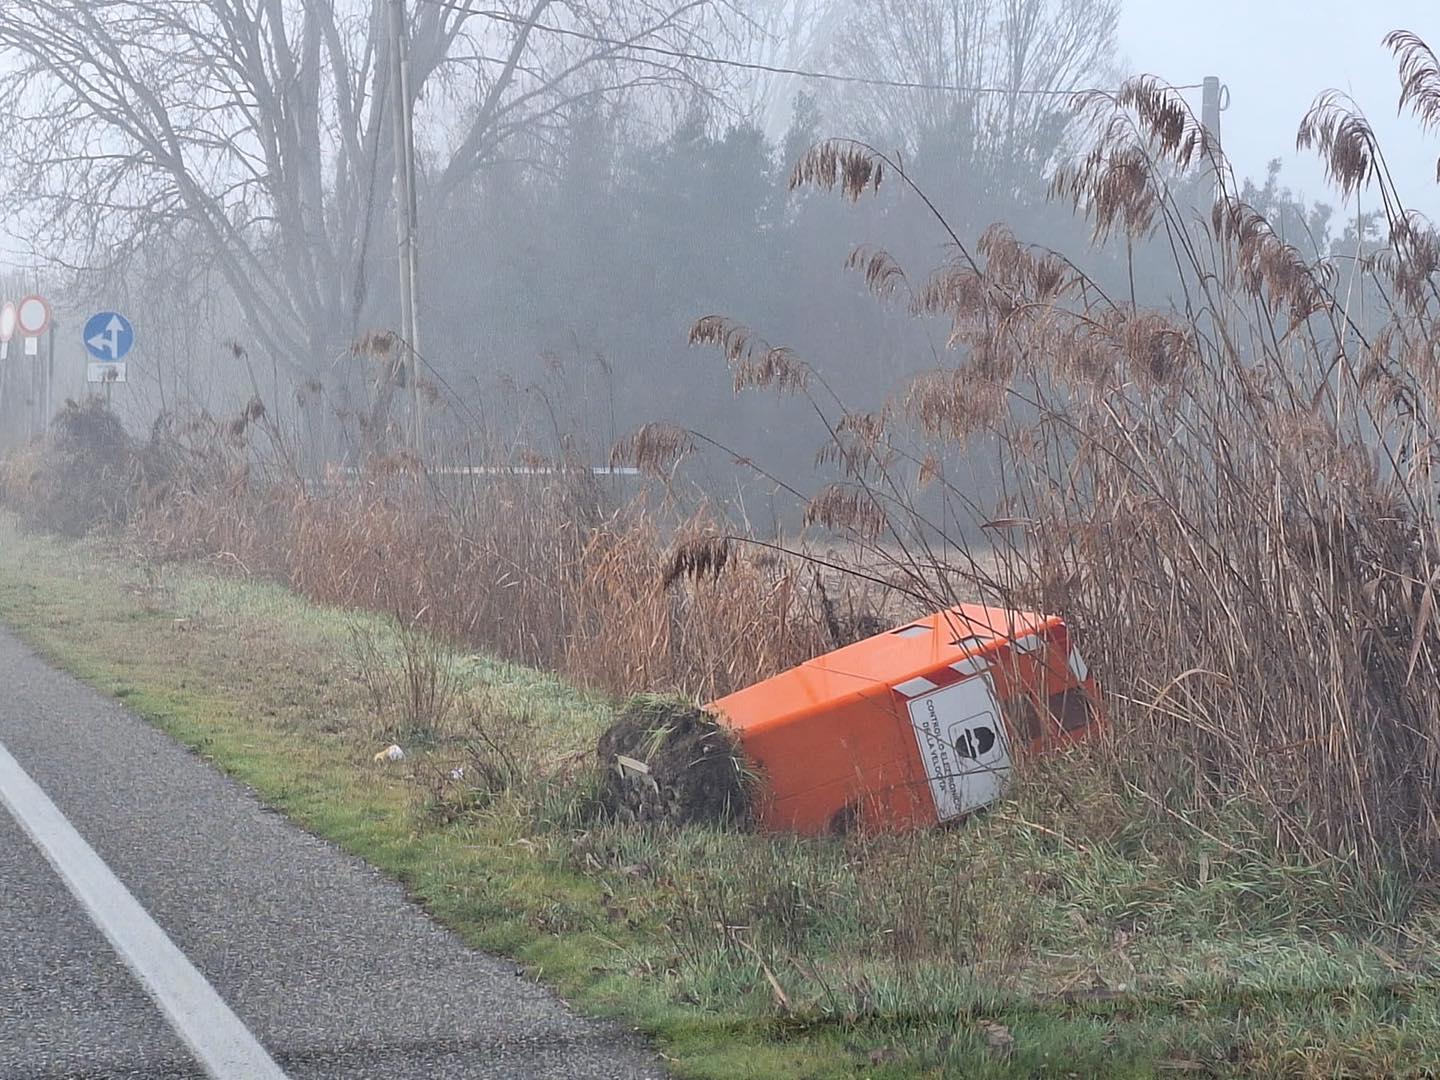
(771, 69)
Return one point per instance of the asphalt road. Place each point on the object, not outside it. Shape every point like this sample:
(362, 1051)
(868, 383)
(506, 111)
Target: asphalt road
(323, 959)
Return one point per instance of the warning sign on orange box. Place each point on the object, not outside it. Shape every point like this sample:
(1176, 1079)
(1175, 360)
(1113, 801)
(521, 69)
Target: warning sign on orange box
(963, 745)
(918, 725)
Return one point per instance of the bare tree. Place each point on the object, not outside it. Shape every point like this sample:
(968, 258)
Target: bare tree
(261, 127)
(783, 34)
(1027, 55)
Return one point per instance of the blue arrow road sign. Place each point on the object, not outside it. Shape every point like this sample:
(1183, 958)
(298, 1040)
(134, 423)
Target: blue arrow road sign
(109, 336)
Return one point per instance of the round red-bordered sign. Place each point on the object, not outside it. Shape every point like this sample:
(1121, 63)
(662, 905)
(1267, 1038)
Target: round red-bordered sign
(32, 315)
(7, 321)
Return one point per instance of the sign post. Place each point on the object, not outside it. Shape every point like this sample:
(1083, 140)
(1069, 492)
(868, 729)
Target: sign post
(7, 328)
(33, 318)
(7, 331)
(109, 337)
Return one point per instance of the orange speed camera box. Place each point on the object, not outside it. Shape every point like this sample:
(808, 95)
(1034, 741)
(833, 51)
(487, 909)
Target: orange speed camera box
(915, 726)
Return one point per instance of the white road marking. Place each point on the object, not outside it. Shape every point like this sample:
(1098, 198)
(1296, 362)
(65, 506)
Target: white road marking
(219, 1041)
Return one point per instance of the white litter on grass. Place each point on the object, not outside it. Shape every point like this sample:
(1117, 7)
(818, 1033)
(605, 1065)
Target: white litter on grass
(390, 753)
(458, 773)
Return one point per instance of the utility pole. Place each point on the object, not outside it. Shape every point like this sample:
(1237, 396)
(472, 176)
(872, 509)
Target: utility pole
(405, 207)
(1210, 109)
(1210, 106)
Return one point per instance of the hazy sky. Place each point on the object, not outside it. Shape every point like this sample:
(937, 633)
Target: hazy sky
(1275, 56)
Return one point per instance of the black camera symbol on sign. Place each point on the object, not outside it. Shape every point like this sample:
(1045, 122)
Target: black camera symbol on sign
(974, 741)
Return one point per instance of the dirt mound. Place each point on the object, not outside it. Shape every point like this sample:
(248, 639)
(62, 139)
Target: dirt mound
(667, 761)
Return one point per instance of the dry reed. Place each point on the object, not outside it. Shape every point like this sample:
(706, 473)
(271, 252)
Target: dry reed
(531, 565)
(1232, 501)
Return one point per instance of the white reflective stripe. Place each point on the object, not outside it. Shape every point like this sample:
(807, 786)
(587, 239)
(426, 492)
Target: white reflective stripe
(1077, 665)
(971, 665)
(215, 1035)
(919, 685)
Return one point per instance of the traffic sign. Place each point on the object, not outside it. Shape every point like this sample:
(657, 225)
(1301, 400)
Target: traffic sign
(33, 315)
(7, 321)
(109, 337)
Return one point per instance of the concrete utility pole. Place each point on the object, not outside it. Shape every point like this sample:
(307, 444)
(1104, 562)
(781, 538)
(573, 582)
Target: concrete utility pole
(1210, 109)
(405, 207)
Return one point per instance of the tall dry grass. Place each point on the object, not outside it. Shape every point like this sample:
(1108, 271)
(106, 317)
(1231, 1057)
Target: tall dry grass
(1232, 500)
(539, 564)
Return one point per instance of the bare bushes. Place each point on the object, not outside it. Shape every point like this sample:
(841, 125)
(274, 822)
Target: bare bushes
(535, 568)
(409, 678)
(87, 472)
(513, 572)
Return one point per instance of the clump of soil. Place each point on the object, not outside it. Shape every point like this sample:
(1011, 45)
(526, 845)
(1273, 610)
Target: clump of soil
(667, 761)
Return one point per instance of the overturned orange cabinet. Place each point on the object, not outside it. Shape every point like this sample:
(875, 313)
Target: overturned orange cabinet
(915, 726)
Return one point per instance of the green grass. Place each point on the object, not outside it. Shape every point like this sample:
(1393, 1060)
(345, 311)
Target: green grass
(1072, 933)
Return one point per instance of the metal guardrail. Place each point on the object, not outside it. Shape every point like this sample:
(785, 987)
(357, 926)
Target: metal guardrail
(532, 470)
(513, 470)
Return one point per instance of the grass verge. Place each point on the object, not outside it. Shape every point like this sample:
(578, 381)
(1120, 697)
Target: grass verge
(1072, 932)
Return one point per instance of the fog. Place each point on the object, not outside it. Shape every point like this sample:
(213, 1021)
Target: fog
(592, 179)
